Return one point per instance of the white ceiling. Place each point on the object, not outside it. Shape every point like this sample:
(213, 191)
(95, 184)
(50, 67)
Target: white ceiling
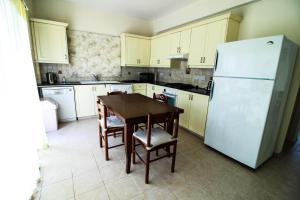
(146, 9)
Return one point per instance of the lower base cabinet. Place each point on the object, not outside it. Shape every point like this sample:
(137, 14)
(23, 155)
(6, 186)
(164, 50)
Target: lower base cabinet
(140, 88)
(85, 98)
(151, 88)
(195, 111)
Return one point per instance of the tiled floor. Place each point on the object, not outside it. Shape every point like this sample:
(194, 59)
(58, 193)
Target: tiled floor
(73, 167)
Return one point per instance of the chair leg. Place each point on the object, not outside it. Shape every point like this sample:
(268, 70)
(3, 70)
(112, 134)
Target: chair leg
(174, 158)
(114, 134)
(168, 151)
(157, 152)
(106, 145)
(133, 150)
(123, 136)
(100, 137)
(147, 167)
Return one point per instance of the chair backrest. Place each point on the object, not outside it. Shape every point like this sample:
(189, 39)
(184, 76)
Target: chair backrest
(102, 113)
(116, 92)
(160, 118)
(160, 97)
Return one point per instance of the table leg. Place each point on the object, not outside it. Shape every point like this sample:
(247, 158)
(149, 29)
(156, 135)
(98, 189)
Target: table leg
(129, 127)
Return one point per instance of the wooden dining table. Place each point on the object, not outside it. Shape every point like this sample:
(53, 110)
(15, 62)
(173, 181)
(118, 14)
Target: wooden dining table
(133, 109)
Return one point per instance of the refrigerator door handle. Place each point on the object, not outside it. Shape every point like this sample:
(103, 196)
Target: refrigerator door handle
(216, 61)
(211, 95)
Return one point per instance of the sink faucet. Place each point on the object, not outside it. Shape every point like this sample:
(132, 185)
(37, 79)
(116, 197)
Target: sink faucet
(95, 77)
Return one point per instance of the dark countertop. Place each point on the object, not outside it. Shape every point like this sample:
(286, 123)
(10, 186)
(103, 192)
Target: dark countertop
(193, 89)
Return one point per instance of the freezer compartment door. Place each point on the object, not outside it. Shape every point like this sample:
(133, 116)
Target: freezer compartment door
(236, 117)
(255, 58)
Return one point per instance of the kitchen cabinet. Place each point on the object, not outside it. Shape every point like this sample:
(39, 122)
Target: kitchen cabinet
(140, 88)
(195, 110)
(85, 98)
(180, 42)
(199, 40)
(205, 40)
(198, 113)
(151, 88)
(135, 50)
(160, 51)
(183, 101)
(49, 41)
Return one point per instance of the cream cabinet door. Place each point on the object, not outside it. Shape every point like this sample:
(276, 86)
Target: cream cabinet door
(185, 39)
(137, 51)
(144, 52)
(132, 50)
(184, 102)
(198, 113)
(98, 90)
(154, 54)
(142, 92)
(160, 50)
(150, 90)
(197, 46)
(215, 35)
(84, 99)
(50, 43)
(174, 43)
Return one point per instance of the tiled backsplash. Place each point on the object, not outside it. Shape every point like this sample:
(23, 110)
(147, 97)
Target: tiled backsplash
(92, 53)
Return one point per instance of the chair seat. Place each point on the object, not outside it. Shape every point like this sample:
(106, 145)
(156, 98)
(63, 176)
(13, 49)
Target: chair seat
(158, 136)
(112, 122)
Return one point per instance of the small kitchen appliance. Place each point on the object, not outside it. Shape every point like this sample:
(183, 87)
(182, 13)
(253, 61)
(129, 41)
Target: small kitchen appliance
(51, 77)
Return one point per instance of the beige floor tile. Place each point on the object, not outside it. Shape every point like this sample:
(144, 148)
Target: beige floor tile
(60, 190)
(200, 172)
(113, 172)
(123, 189)
(98, 193)
(87, 181)
(156, 194)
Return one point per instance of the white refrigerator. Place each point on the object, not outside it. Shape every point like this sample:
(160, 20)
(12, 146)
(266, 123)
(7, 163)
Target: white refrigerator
(248, 95)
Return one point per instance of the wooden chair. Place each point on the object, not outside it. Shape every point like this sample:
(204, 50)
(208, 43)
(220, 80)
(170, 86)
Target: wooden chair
(153, 139)
(108, 126)
(159, 97)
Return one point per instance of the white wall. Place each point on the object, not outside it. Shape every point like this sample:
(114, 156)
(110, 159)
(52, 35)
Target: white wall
(194, 11)
(84, 18)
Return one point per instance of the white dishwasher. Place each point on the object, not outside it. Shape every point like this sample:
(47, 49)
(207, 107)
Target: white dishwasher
(64, 97)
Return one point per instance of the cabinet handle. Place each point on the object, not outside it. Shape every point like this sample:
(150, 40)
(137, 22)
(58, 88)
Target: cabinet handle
(179, 49)
(191, 97)
(66, 57)
(203, 59)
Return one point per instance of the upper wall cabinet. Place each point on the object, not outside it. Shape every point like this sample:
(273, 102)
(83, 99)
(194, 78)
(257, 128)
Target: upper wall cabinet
(49, 41)
(205, 40)
(160, 50)
(180, 42)
(135, 50)
(199, 40)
